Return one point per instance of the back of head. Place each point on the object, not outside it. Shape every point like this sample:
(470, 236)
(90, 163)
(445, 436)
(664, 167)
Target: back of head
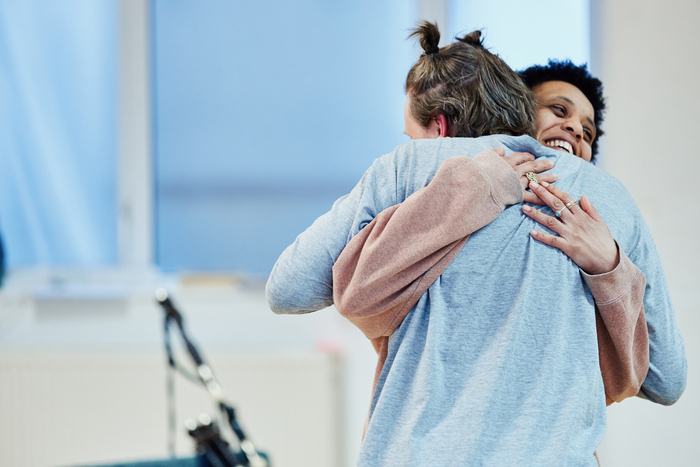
(576, 75)
(474, 89)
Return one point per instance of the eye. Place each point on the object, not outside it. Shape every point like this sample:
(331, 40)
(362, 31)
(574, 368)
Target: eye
(587, 135)
(559, 110)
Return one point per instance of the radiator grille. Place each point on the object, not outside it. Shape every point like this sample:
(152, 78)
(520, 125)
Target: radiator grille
(59, 409)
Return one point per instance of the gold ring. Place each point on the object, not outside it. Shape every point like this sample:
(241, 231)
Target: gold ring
(571, 203)
(531, 176)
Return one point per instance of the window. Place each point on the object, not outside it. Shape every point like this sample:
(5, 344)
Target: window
(263, 120)
(527, 33)
(262, 116)
(58, 132)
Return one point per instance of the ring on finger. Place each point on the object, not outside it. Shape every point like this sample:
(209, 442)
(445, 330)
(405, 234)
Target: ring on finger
(532, 177)
(567, 206)
(570, 204)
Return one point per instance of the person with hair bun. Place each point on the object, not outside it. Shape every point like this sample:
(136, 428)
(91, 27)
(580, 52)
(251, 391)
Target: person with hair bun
(394, 255)
(464, 90)
(497, 363)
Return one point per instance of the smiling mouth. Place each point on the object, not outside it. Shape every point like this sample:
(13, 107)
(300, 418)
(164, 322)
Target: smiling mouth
(560, 145)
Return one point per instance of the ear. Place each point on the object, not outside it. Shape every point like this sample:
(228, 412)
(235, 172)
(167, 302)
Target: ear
(438, 127)
(443, 128)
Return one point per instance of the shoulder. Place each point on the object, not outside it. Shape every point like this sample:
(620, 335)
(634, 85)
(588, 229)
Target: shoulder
(615, 206)
(607, 190)
(415, 163)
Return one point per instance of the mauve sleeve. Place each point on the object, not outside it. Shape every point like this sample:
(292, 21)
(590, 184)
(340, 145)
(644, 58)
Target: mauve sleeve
(623, 341)
(383, 271)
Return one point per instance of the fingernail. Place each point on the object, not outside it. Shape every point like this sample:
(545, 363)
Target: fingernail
(533, 233)
(544, 184)
(534, 184)
(526, 208)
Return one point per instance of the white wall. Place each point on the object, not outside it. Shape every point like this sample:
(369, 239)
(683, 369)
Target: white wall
(68, 340)
(92, 408)
(648, 55)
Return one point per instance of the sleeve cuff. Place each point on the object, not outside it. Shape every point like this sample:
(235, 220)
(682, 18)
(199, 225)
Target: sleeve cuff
(611, 286)
(505, 185)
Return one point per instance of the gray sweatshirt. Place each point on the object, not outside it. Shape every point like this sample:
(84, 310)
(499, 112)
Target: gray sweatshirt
(497, 364)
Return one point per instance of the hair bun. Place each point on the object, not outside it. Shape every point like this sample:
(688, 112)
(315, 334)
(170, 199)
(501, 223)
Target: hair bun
(428, 36)
(473, 38)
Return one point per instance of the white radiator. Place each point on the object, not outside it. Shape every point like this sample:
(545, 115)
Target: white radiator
(60, 409)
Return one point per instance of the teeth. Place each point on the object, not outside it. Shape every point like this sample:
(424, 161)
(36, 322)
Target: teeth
(557, 143)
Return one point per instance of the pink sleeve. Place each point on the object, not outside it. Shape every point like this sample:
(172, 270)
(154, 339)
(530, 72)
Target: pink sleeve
(385, 269)
(623, 342)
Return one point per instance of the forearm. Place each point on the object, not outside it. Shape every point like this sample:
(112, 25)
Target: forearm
(666, 379)
(302, 278)
(623, 343)
(299, 282)
(385, 269)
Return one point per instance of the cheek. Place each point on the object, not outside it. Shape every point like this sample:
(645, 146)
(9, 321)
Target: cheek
(586, 153)
(543, 120)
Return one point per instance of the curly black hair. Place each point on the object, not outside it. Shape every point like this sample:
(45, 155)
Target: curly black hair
(576, 75)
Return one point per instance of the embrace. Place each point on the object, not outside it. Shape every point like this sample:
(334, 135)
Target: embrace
(506, 312)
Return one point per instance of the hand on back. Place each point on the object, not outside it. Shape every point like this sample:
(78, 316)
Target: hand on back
(524, 162)
(583, 236)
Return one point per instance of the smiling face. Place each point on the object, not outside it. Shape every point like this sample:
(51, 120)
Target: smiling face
(565, 118)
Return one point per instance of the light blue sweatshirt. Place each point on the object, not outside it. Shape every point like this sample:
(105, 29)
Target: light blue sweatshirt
(497, 364)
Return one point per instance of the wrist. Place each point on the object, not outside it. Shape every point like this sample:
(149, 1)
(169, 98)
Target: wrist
(504, 179)
(606, 266)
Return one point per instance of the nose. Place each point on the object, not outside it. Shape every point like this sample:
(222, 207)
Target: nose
(574, 127)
